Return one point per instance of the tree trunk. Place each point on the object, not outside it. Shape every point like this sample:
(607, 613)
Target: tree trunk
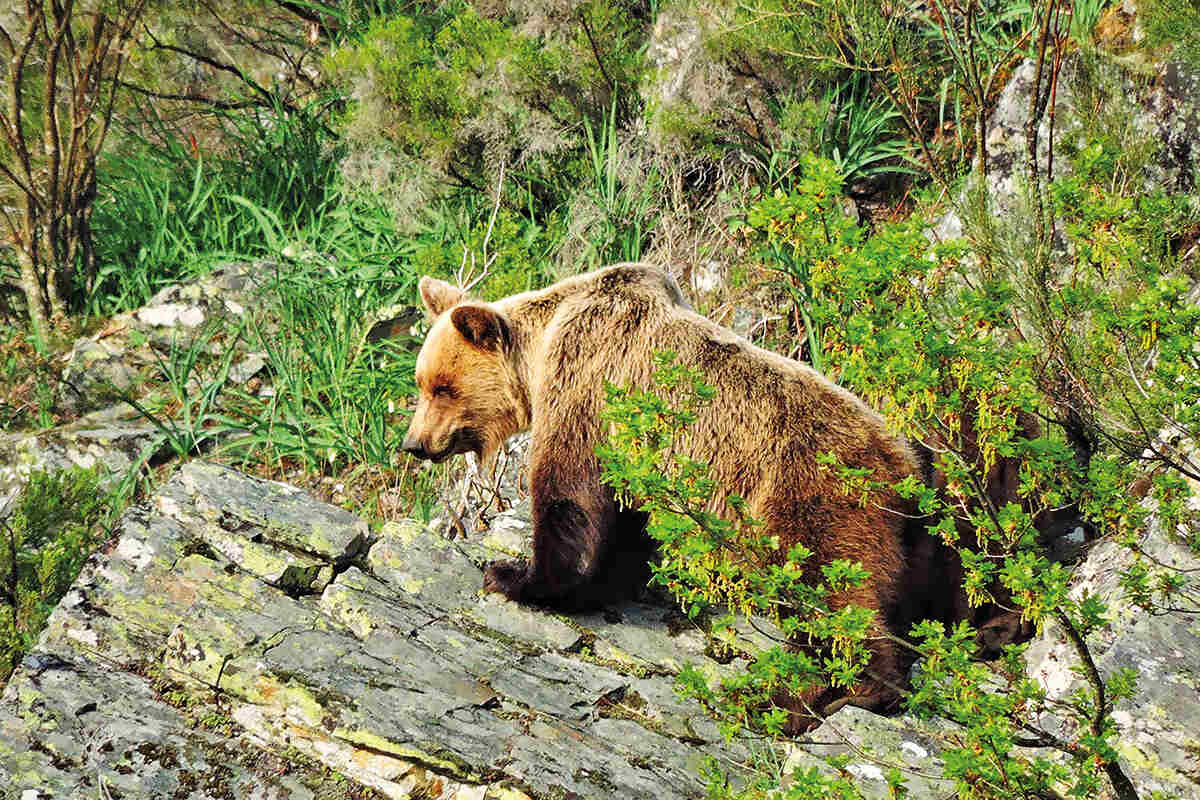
(35, 298)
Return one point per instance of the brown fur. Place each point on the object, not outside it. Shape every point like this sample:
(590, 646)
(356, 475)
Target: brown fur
(540, 360)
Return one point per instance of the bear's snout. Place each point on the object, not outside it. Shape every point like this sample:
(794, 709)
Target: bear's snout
(412, 445)
(462, 440)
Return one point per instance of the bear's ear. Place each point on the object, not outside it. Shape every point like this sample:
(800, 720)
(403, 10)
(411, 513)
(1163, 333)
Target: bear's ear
(482, 326)
(438, 295)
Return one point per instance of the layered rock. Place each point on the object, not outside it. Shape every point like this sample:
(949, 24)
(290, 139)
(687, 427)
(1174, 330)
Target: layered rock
(182, 664)
(243, 640)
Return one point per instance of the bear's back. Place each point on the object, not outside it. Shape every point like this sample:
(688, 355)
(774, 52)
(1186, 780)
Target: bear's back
(607, 326)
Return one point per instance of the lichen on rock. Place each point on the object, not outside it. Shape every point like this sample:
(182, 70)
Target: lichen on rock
(396, 673)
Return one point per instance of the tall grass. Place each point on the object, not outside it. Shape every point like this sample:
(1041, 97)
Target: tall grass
(622, 193)
(169, 212)
(334, 395)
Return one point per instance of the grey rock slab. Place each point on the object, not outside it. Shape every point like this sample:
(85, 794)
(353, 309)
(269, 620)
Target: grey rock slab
(1159, 727)
(247, 368)
(561, 687)
(1163, 105)
(112, 446)
(644, 635)
(508, 536)
(95, 372)
(423, 566)
(232, 615)
(280, 513)
(874, 744)
(609, 759)
(397, 674)
(79, 728)
(123, 354)
(125, 602)
(170, 315)
(293, 572)
(657, 702)
(453, 648)
(364, 605)
(528, 625)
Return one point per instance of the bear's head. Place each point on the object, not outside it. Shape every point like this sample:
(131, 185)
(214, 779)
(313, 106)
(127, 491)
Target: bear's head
(471, 396)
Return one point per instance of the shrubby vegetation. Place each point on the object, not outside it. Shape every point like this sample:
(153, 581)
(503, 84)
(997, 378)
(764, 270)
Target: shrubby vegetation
(45, 536)
(351, 147)
(943, 345)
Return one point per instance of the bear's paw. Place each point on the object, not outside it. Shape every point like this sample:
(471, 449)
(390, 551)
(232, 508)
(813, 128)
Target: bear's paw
(509, 578)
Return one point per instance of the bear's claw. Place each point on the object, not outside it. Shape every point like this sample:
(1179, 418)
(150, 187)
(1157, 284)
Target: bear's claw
(506, 577)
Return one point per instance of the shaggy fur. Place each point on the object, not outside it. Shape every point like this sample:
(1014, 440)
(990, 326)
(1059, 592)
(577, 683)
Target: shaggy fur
(540, 360)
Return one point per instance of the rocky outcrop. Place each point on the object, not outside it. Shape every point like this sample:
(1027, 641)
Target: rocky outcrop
(1159, 98)
(124, 359)
(242, 640)
(122, 355)
(113, 440)
(1159, 726)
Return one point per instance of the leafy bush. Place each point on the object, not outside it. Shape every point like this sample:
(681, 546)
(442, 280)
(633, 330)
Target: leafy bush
(56, 522)
(466, 93)
(944, 347)
(1173, 25)
(707, 561)
(464, 237)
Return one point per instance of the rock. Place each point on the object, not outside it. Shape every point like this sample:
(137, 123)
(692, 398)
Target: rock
(97, 372)
(1158, 727)
(874, 744)
(247, 368)
(169, 315)
(1162, 98)
(109, 440)
(121, 355)
(676, 51)
(690, 86)
(1069, 547)
(275, 512)
(1175, 106)
(707, 277)
(177, 667)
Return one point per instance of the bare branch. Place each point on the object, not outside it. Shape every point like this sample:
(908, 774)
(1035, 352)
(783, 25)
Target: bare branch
(219, 105)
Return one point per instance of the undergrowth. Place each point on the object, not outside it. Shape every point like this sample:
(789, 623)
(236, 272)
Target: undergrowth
(47, 531)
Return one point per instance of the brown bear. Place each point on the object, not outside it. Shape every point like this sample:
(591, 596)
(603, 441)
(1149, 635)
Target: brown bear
(540, 360)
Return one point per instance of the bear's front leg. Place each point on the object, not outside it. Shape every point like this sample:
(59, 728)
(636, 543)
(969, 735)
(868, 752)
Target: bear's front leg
(573, 521)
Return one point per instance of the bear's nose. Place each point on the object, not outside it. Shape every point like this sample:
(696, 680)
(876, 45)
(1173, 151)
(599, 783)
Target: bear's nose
(413, 447)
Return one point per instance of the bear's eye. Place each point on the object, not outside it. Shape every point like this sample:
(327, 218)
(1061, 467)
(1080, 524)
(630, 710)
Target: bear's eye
(443, 390)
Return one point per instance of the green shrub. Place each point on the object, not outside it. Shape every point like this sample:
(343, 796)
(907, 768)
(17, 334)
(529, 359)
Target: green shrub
(465, 92)
(945, 347)
(1176, 25)
(465, 234)
(57, 521)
